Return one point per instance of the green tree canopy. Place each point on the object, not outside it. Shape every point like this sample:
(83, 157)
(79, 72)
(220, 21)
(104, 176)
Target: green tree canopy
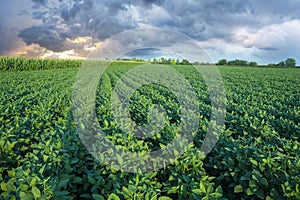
(290, 62)
(185, 62)
(222, 62)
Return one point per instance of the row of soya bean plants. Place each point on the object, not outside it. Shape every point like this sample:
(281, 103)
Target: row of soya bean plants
(35, 117)
(28, 64)
(257, 155)
(184, 179)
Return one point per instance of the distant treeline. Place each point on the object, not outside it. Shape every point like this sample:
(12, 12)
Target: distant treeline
(289, 62)
(28, 64)
(162, 60)
(166, 61)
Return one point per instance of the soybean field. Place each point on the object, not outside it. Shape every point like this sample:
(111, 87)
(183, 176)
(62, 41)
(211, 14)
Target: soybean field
(42, 157)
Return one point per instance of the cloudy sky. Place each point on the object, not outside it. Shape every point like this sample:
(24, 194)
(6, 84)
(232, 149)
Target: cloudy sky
(263, 31)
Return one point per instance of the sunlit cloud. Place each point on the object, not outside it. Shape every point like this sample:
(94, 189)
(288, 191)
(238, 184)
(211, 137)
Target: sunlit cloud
(80, 40)
(62, 55)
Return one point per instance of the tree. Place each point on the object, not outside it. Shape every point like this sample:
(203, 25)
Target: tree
(169, 61)
(238, 62)
(154, 60)
(173, 62)
(271, 65)
(185, 62)
(253, 64)
(177, 61)
(222, 62)
(281, 64)
(290, 62)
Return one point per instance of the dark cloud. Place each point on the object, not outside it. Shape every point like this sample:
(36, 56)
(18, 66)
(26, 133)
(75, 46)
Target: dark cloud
(199, 19)
(150, 2)
(150, 53)
(68, 14)
(47, 37)
(8, 14)
(268, 48)
(86, 5)
(7, 42)
(115, 6)
(79, 18)
(40, 1)
(39, 15)
(23, 12)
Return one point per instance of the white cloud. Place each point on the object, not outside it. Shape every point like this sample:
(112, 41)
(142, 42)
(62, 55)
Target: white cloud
(270, 37)
(152, 15)
(218, 49)
(270, 44)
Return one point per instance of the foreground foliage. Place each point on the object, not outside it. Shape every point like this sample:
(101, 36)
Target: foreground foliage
(257, 156)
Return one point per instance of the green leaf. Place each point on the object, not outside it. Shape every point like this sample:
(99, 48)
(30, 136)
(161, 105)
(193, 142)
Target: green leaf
(74, 160)
(62, 183)
(77, 179)
(147, 196)
(263, 182)
(253, 185)
(11, 185)
(254, 162)
(23, 195)
(41, 171)
(36, 192)
(24, 187)
(98, 197)
(209, 188)
(260, 194)
(11, 173)
(105, 123)
(246, 177)
(113, 197)
(219, 190)
(127, 192)
(176, 153)
(91, 180)
(45, 157)
(119, 159)
(26, 196)
(202, 187)
(164, 198)
(249, 192)
(33, 182)
(4, 186)
(62, 193)
(197, 191)
(238, 189)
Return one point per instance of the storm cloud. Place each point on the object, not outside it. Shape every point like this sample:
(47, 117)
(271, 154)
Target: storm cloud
(48, 37)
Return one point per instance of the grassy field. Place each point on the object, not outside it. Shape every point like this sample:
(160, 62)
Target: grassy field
(257, 156)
